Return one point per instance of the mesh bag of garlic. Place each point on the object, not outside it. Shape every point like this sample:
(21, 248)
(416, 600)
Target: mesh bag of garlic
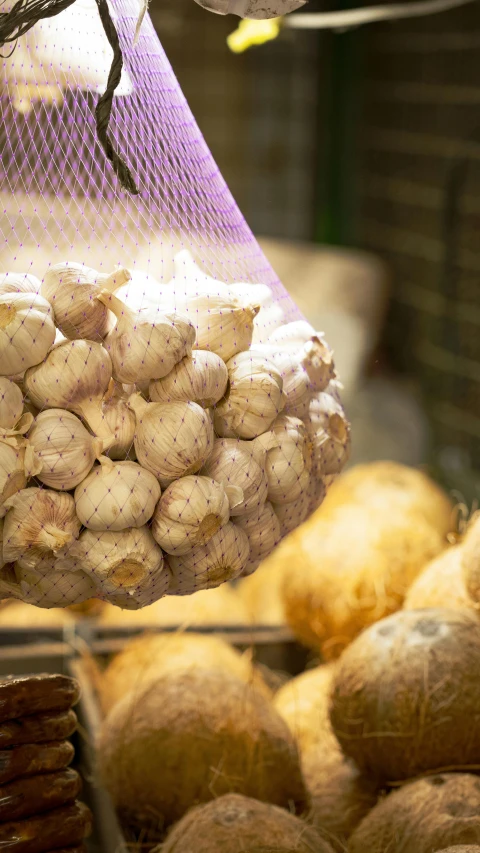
(166, 413)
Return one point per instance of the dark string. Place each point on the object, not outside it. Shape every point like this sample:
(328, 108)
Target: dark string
(25, 14)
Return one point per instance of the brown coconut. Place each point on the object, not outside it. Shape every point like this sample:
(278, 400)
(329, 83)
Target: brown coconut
(462, 848)
(207, 607)
(441, 584)
(406, 694)
(190, 737)
(471, 559)
(146, 657)
(423, 817)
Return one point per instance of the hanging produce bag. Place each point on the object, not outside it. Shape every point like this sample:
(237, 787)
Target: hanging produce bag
(166, 413)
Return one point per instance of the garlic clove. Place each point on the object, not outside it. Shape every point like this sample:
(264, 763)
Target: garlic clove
(11, 403)
(17, 282)
(253, 400)
(39, 523)
(328, 431)
(189, 513)
(232, 463)
(115, 496)
(223, 558)
(26, 331)
(288, 464)
(172, 440)
(66, 450)
(264, 533)
(201, 377)
(71, 288)
(17, 464)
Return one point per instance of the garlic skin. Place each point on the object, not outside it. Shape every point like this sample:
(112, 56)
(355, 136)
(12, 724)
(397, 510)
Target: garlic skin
(253, 400)
(38, 525)
(329, 433)
(120, 421)
(126, 567)
(223, 558)
(263, 532)
(232, 463)
(18, 463)
(292, 335)
(26, 331)
(51, 588)
(71, 290)
(172, 440)
(11, 403)
(116, 495)
(293, 514)
(75, 376)
(19, 282)
(189, 513)
(288, 464)
(145, 345)
(65, 448)
(201, 377)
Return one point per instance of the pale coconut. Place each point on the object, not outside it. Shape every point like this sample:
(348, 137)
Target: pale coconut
(471, 559)
(440, 584)
(207, 607)
(303, 702)
(18, 614)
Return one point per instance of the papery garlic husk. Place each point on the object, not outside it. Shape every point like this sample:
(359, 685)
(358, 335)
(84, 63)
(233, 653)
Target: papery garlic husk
(253, 400)
(66, 450)
(288, 465)
(46, 587)
(329, 434)
(264, 534)
(233, 463)
(39, 524)
(126, 567)
(19, 282)
(75, 376)
(223, 558)
(189, 512)
(201, 377)
(26, 331)
(116, 495)
(120, 421)
(18, 463)
(172, 440)
(11, 403)
(71, 289)
(145, 344)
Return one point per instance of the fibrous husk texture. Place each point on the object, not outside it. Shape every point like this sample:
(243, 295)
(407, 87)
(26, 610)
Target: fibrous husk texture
(462, 848)
(423, 817)
(190, 737)
(471, 559)
(440, 584)
(237, 824)
(406, 694)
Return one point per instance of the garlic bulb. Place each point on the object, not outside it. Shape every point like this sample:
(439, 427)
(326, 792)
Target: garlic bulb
(142, 291)
(329, 433)
(71, 289)
(145, 344)
(292, 335)
(270, 316)
(26, 331)
(19, 282)
(293, 514)
(65, 448)
(201, 377)
(39, 523)
(288, 464)
(223, 558)
(11, 403)
(116, 495)
(120, 421)
(18, 463)
(189, 512)
(2, 561)
(190, 279)
(263, 532)
(253, 399)
(232, 463)
(74, 376)
(126, 567)
(171, 439)
(51, 588)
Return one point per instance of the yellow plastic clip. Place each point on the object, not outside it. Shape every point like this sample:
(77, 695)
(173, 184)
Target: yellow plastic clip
(253, 33)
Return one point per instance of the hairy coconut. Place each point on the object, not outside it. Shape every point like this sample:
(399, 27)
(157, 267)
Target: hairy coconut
(191, 736)
(423, 817)
(440, 584)
(261, 593)
(213, 607)
(462, 848)
(406, 694)
(471, 559)
(303, 702)
(237, 824)
(147, 657)
(18, 614)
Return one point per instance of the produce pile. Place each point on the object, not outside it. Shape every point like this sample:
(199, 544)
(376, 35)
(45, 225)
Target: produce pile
(154, 439)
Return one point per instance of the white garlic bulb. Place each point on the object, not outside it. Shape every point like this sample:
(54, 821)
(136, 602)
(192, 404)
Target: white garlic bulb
(233, 463)
(171, 439)
(48, 587)
(270, 316)
(120, 421)
(66, 450)
(145, 344)
(253, 400)
(288, 465)
(74, 376)
(11, 403)
(189, 512)
(71, 289)
(201, 377)
(292, 335)
(293, 514)
(18, 463)
(223, 558)
(190, 279)
(26, 331)
(329, 433)
(126, 567)
(2, 561)
(263, 532)
(39, 523)
(116, 495)
(19, 282)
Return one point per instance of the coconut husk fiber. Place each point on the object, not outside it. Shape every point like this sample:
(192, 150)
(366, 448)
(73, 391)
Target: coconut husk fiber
(191, 736)
(423, 817)
(406, 694)
(471, 559)
(237, 824)
(441, 584)
(303, 702)
(212, 607)
(146, 657)
(462, 848)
